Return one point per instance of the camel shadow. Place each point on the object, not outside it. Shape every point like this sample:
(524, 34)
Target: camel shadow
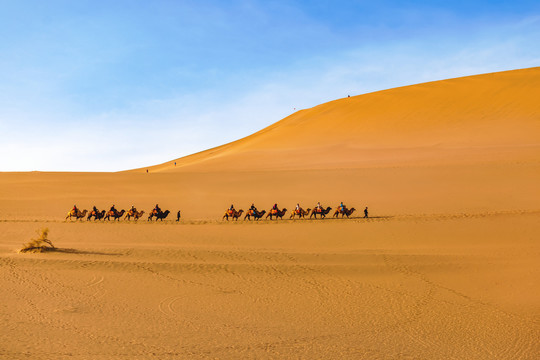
(83, 252)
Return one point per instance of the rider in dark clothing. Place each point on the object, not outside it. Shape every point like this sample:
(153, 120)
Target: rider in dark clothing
(157, 210)
(113, 208)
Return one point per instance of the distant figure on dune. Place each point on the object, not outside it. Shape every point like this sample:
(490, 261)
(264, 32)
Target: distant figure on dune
(365, 212)
(178, 214)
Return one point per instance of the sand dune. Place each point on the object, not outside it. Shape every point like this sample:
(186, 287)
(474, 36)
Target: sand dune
(447, 267)
(492, 117)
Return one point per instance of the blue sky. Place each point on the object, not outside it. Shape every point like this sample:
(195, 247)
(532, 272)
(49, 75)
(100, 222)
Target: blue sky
(113, 85)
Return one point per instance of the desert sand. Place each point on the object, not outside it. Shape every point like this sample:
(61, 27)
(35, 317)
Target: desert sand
(446, 267)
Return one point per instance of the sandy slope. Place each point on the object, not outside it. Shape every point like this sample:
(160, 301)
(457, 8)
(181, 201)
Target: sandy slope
(447, 268)
(476, 118)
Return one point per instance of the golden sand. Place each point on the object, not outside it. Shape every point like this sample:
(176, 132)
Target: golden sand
(446, 267)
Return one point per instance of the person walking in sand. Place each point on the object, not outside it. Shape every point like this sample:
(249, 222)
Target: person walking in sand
(365, 212)
(178, 216)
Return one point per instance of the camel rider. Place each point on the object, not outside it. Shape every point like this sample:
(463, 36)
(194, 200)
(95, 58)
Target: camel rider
(156, 210)
(113, 209)
(319, 207)
(297, 208)
(75, 210)
(253, 209)
(342, 207)
(275, 208)
(95, 210)
(133, 209)
(231, 209)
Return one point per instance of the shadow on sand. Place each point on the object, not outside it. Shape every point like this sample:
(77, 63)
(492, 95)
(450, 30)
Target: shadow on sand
(83, 252)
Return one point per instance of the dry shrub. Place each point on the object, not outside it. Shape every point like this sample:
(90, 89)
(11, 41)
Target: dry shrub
(41, 244)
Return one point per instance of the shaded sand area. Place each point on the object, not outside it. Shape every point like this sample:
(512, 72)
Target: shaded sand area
(404, 287)
(446, 267)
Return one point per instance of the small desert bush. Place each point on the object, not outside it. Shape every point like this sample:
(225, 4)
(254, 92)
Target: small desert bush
(41, 244)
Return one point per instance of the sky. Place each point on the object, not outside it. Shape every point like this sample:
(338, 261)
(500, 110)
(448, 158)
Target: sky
(115, 85)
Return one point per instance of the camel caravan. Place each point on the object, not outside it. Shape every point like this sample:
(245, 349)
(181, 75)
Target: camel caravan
(298, 211)
(114, 214)
(252, 213)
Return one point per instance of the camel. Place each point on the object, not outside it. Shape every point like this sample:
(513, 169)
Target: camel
(301, 213)
(77, 216)
(134, 214)
(322, 212)
(346, 212)
(256, 215)
(159, 216)
(115, 214)
(277, 213)
(233, 214)
(97, 215)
